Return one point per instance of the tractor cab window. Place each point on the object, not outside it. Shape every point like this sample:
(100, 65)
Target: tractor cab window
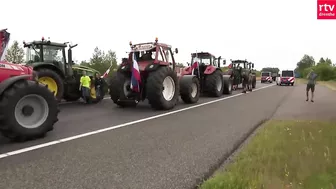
(215, 61)
(202, 61)
(53, 54)
(33, 53)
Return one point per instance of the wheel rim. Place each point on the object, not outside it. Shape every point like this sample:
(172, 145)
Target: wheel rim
(168, 91)
(39, 114)
(127, 87)
(50, 82)
(193, 90)
(219, 84)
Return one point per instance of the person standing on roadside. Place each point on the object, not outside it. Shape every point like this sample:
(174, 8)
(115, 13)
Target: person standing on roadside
(311, 85)
(99, 86)
(85, 86)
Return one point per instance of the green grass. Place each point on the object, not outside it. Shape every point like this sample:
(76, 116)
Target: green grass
(283, 154)
(330, 84)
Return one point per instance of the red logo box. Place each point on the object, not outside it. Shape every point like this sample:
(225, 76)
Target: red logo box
(326, 9)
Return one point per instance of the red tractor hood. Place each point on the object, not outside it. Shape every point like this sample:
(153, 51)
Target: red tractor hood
(4, 39)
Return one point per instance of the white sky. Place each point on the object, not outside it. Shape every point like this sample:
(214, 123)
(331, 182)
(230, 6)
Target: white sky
(266, 32)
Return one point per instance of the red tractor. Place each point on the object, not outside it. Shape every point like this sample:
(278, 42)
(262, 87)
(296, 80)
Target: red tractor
(28, 109)
(206, 67)
(149, 73)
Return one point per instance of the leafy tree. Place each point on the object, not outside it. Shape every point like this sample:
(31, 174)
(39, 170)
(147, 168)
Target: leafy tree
(306, 62)
(101, 61)
(15, 53)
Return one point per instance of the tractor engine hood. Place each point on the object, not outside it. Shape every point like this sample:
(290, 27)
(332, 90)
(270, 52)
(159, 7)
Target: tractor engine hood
(4, 39)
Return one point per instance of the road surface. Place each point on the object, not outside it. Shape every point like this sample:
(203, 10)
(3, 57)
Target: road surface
(175, 150)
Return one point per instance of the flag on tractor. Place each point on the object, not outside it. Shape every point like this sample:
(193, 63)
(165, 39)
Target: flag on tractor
(230, 66)
(135, 79)
(106, 73)
(194, 66)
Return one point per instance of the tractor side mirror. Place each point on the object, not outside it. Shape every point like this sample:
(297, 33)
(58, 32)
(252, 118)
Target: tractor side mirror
(224, 62)
(252, 65)
(176, 50)
(188, 63)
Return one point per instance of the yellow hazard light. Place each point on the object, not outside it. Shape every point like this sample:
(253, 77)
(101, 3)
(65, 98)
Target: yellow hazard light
(156, 39)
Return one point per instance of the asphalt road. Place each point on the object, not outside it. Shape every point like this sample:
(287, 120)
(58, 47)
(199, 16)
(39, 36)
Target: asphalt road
(172, 151)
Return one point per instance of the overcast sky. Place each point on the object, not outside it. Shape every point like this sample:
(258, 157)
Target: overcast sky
(266, 32)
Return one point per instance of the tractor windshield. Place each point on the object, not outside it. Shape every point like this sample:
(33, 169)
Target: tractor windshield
(203, 60)
(50, 53)
(265, 74)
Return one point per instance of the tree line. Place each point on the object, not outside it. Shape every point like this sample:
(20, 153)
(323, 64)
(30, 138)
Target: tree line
(101, 61)
(325, 69)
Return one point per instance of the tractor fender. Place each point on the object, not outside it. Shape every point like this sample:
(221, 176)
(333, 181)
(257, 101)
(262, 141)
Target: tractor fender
(210, 69)
(187, 78)
(9, 82)
(124, 68)
(152, 67)
(50, 67)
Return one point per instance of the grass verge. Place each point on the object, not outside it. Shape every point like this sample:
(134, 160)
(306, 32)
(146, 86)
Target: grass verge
(330, 84)
(283, 154)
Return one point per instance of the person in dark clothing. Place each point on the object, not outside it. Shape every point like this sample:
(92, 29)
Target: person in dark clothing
(99, 86)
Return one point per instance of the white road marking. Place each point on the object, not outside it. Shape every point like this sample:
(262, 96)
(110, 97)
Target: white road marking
(23, 150)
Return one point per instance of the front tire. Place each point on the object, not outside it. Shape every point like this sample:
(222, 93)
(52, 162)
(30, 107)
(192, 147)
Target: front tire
(214, 84)
(119, 88)
(162, 88)
(190, 90)
(53, 81)
(28, 110)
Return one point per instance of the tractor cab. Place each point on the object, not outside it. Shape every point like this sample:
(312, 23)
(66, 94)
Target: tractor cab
(45, 52)
(150, 55)
(208, 63)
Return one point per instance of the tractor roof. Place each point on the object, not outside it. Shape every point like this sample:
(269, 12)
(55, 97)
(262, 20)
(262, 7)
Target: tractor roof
(45, 43)
(202, 54)
(239, 61)
(80, 67)
(148, 46)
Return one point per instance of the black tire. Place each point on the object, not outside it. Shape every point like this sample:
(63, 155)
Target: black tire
(154, 87)
(95, 100)
(57, 78)
(116, 89)
(187, 88)
(10, 126)
(71, 97)
(211, 84)
(227, 85)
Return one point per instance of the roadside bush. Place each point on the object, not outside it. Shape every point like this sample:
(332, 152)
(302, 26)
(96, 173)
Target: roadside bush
(325, 72)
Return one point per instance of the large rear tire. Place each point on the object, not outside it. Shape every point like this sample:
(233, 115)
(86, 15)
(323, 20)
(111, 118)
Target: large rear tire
(28, 110)
(162, 88)
(53, 80)
(71, 97)
(214, 84)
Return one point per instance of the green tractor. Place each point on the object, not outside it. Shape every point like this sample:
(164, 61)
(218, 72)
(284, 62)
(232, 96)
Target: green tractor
(61, 76)
(241, 72)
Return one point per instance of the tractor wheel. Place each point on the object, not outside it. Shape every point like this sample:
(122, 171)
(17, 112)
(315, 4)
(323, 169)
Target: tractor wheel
(28, 110)
(53, 81)
(162, 88)
(227, 86)
(254, 82)
(190, 90)
(119, 89)
(71, 97)
(214, 84)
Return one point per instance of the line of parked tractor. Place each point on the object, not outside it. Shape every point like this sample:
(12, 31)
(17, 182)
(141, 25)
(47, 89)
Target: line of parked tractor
(30, 92)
